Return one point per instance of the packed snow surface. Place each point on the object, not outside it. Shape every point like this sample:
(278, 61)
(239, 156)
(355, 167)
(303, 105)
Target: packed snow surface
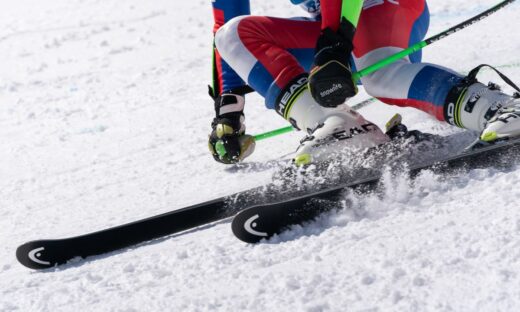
(104, 117)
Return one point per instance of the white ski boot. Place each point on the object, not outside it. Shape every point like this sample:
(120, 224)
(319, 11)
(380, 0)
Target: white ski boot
(505, 123)
(330, 130)
(487, 110)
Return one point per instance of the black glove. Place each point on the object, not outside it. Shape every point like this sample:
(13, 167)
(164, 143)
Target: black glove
(330, 78)
(228, 142)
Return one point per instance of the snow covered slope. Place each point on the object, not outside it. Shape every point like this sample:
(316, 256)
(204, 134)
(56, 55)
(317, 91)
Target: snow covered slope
(104, 117)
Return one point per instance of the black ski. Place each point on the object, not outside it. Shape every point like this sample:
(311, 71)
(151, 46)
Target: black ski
(42, 254)
(48, 253)
(265, 220)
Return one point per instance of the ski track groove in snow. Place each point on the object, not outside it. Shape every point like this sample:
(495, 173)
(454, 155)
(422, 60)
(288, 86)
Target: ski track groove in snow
(104, 117)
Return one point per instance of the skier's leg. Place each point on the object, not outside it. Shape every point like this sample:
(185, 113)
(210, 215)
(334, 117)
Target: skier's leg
(273, 55)
(387, 28)
(436, 90)
(268, 52)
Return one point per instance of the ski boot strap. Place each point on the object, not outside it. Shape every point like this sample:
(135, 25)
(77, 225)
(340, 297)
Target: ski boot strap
(472, 78)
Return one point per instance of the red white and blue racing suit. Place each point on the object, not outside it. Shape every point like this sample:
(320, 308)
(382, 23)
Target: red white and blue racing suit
(267, 52)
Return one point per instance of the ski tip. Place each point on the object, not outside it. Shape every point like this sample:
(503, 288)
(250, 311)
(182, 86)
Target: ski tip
(250, 227)
(35, 255)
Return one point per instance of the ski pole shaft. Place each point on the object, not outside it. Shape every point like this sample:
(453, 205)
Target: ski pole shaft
(270, 134)
(399, 55)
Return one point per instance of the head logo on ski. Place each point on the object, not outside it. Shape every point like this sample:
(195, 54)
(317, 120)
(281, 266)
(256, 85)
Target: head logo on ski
(250, 224)
(35, 253)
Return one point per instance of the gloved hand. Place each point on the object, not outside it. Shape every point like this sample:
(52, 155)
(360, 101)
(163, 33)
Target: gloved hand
(228, 142)
(330, 78)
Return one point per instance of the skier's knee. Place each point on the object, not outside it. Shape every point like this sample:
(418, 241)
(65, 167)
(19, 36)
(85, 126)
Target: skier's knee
(243, 34)
(227, 38)
(383, 83)
(372, 85)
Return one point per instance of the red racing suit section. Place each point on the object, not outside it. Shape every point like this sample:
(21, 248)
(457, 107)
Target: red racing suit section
(390, 25)
(330, 14)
